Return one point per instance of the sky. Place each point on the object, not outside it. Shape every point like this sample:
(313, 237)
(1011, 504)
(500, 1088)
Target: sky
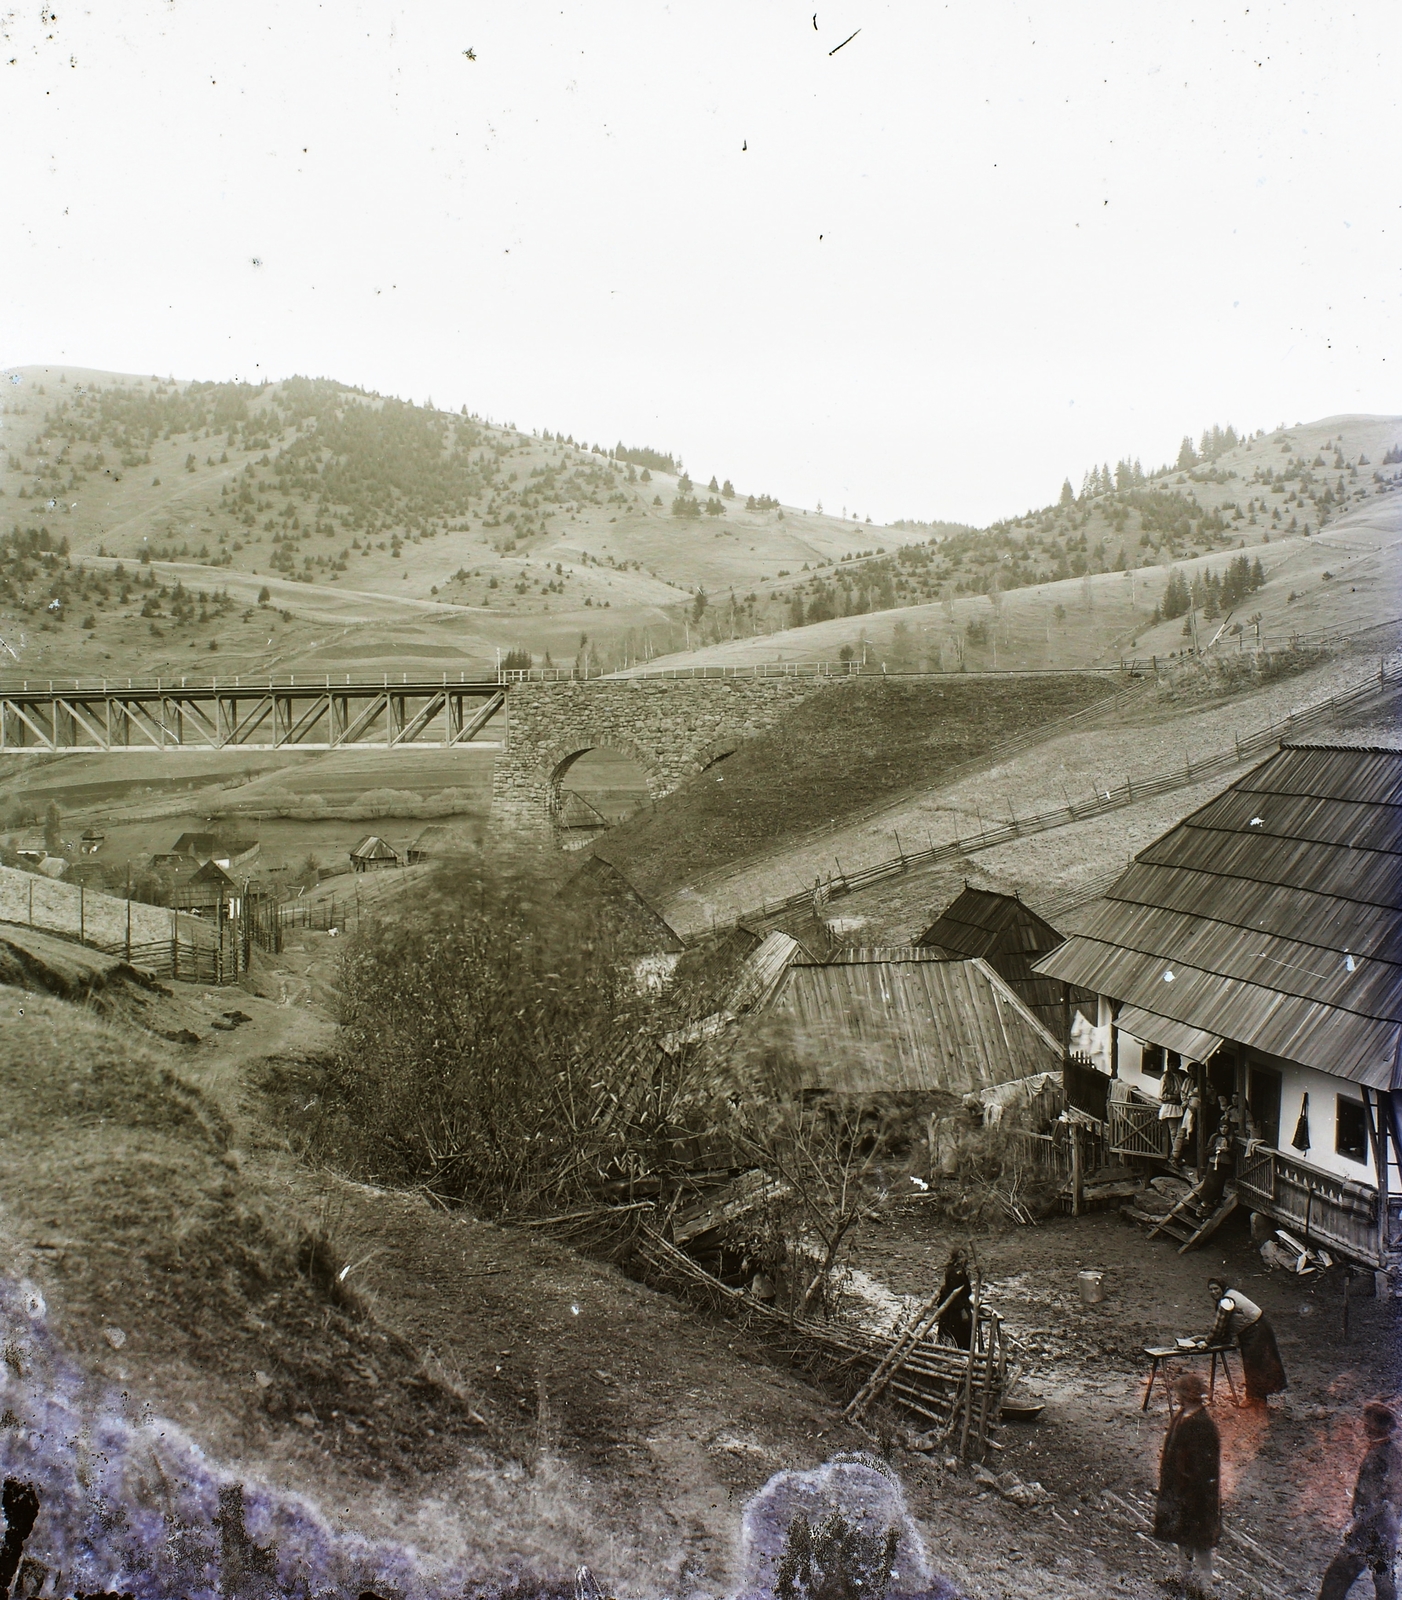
(905, 259)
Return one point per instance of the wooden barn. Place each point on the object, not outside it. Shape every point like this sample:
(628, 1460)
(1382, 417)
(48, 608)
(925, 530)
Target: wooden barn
(1010, 937)
(907, 1020)
(1255, 950)
(208, 891)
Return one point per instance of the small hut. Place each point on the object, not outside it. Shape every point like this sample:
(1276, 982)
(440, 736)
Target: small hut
(92, 841)
(373, 854)
(206, 891)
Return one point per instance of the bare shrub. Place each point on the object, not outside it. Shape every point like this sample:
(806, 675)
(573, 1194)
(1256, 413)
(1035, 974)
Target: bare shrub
(496, 1049)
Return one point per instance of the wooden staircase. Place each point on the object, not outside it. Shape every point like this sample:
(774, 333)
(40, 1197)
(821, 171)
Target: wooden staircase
(1191, 1222)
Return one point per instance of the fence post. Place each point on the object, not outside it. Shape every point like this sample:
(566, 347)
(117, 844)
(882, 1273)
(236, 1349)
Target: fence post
(31, 902)
(82, 914)
(128, 922)
(174, 946)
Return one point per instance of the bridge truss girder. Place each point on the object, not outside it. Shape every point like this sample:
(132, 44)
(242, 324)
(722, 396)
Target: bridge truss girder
(330, 717)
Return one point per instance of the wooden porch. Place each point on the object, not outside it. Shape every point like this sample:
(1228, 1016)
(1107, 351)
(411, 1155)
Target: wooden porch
(1319, 1208)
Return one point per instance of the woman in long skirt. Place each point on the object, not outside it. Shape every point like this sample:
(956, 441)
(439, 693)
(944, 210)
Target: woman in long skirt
(956, 1322)
(1241, 1321)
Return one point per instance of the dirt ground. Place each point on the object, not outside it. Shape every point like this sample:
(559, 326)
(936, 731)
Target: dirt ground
(617, 1427)
(1287, 1477)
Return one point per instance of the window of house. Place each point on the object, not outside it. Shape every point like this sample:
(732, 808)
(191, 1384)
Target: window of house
(1351, 1130)
(1263, 1099)
(1151, 1063)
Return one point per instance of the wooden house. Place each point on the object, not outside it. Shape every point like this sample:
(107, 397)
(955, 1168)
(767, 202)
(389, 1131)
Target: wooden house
(1256, 948)
(202, 847)
(92, 841)
(208, 891)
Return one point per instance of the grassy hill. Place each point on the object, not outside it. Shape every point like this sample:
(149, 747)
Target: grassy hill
(352, 509)
(1319, 505)
(854, 746)
(375, 533)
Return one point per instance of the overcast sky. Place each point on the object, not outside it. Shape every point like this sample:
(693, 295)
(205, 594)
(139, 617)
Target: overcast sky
(927, 272)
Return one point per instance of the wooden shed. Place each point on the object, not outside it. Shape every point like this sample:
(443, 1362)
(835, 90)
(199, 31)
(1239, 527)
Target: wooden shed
(373, 854)
(903, 1020)
(1009, 935)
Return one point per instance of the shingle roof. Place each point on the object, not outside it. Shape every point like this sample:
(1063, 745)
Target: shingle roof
(1270, 916)
(1009, 936)
(867, 1027)
(762, 971)
(373, 848)
(981, 922)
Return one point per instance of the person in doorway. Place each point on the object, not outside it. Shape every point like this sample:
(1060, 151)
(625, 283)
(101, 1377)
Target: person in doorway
(1192, 1111)
(1171, 1090)
(1370, 1538)
(1240, 1321)
(956, 1320)
(1189, 1508)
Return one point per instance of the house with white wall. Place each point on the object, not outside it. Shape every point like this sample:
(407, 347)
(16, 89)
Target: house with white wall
(1257, 948)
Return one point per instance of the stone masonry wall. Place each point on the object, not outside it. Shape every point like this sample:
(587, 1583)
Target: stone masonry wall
(673, 728)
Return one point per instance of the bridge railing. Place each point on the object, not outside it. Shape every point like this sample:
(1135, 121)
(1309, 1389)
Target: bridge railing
(195, 684)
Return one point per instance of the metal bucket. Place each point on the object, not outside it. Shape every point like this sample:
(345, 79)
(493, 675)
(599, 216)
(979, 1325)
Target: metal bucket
(1092, 1287)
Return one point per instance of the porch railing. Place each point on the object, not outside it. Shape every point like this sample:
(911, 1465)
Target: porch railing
(1320, 1207)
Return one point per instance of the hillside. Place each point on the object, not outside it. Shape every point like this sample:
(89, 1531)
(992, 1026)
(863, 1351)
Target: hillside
(836, 754)
(1149, 734)
(393, 513)
(1017, 601)
(227, 528)
(464, 1402)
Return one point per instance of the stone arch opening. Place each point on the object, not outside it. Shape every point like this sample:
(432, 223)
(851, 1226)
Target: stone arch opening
(593, 788)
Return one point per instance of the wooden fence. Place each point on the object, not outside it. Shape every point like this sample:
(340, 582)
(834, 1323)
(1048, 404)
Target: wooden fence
(339, 911)
(955, 1393)
(1132, 790)
(1135, 1130)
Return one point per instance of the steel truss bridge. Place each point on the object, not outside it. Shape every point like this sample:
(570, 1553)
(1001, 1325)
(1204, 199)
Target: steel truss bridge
(224, 715)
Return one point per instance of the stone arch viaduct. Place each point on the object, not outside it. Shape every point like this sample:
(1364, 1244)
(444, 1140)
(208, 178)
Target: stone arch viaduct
(672, 728)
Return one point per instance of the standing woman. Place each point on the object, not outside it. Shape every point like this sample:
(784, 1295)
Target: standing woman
(1189, 1508)
(956, 1322)
(1242, 1322)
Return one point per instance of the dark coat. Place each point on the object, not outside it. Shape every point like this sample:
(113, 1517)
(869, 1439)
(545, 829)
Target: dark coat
(1261, 1365)
(957, 1319)
(1189, 1509)
(1373, 1529)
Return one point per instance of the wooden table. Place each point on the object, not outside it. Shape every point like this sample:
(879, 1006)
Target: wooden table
(1159, 1354)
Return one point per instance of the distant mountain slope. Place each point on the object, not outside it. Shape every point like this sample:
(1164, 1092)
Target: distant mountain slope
(546, 545)
(353, 508)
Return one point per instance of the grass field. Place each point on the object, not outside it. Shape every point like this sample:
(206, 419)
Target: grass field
(835, 754)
